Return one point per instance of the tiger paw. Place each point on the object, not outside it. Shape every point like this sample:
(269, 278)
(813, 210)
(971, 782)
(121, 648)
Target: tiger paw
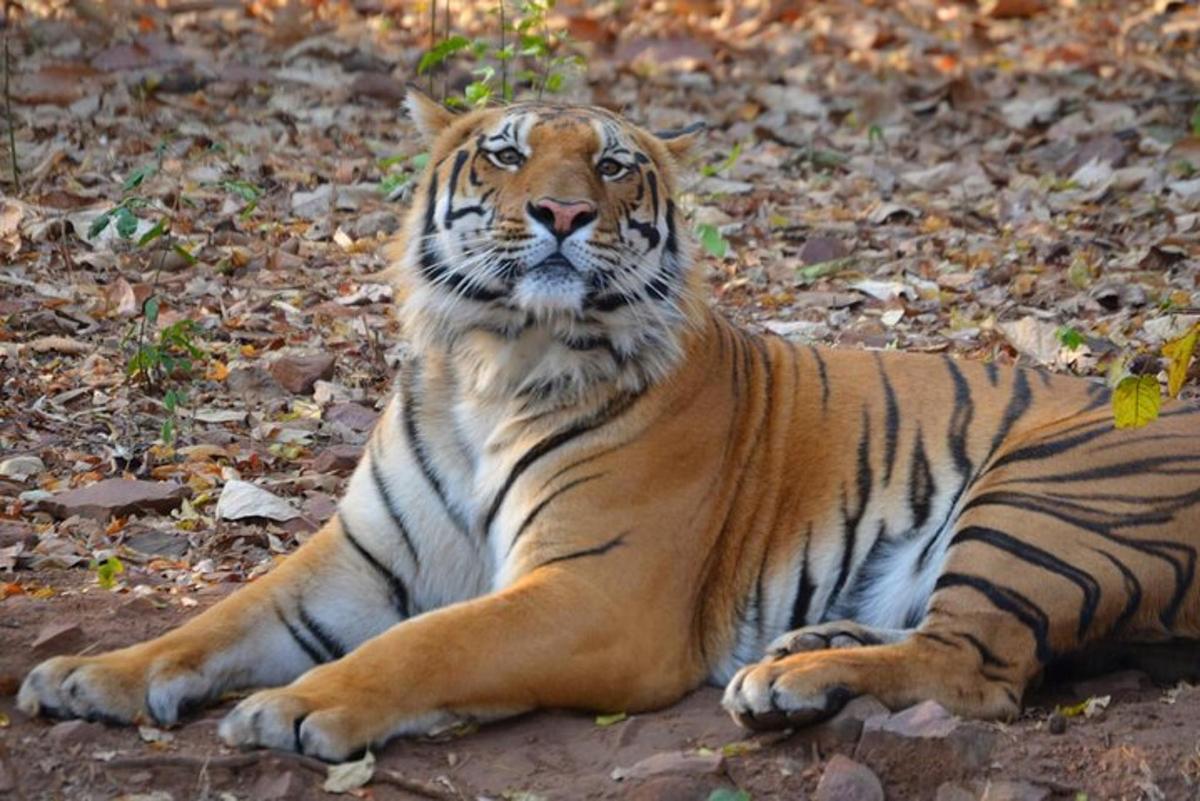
(292, 719)
(776, 695)
(831, 636)
(118, 687)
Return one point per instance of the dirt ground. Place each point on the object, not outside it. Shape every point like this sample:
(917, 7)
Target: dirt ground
(1144, 745)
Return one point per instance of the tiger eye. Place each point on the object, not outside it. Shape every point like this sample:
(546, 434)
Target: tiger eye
(610, 168)
(509, 156)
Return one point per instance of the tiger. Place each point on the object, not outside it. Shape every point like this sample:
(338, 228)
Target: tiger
(590, 490)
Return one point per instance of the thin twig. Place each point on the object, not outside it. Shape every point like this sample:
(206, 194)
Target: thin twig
(253, 758)
(432, 39)
(8, 112)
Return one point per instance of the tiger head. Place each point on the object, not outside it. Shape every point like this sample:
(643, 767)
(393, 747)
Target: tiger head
(543, 248)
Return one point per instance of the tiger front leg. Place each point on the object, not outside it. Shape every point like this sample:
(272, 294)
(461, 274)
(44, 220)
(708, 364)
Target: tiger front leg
(265, 634)
(552, 639)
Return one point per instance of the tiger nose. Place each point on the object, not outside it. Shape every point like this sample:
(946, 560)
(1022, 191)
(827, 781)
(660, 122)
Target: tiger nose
(562, 217)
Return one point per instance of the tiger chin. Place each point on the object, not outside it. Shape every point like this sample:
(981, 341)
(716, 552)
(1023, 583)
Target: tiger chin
(591, 491)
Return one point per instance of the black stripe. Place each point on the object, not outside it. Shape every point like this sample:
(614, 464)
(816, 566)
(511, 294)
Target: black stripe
(1054, 447)
(416, 444)
(891, 422)
(1133, 590)
(824, 376)
(613, 409)
(1008, 600)
(864, 479)
(960, 420)
(395, 585)
(1041, 558)
(389, 503)
(986, 655)
(309, 648)
(993, 373)
(537, 510)
(328, 642)
(1018, 404)
(595, 551)
(921, 487)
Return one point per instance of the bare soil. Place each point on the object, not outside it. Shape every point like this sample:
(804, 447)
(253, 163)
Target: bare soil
(1145, 745)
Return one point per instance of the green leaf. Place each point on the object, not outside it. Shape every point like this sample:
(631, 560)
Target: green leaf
(158, 230)
(150, 309)
(126, 223)
(710, 237)
(1136, 401)
(725, 794)
(107, 571)
(1195, 121)
(185, 254)
(1069, 337)
(136, 177)
(419, 161)
(478, 92)
(554, 81)
(99, 224)
(806, 275)
(608, 720)
(170, 401)
(167, 432)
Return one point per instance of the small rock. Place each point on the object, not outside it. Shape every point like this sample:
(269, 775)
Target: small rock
(953, 792)
(682, 762)
(846, 780)
(116, 497)
(241, 499)
(992, 790)
(1057, 724)
(674, 788)
(14, 532)
(158, 543)
(313, 205)
(54, 639)
(278, 786)
(1107, 149)
(74, 732)
(821, 249)
(928, 735)
(319, 506)
(376, 222)
(846, 726)
(337, 459)
(298, 373)
(354, 416)
(21, 468)
(378, 85)
(254, 381)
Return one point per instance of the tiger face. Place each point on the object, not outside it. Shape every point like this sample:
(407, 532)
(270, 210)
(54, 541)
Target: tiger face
(546, 238)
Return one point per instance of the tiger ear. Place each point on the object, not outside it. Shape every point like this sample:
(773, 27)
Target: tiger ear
(681, 141)
(430, 116)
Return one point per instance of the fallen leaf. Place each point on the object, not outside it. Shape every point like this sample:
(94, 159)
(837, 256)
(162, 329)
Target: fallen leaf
(349, 775)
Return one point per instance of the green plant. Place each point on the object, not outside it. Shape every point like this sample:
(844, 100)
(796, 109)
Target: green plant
(1194, 122)
(709, 170)
(711, 240)
(1069, 337)
(107, 571)
(525, 49)
(399, 172)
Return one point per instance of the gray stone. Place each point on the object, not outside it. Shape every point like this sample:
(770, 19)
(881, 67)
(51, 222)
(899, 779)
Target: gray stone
(845, 727)
(55, 639)
(375, 222)
(846, 780)
(253, 380)
(74, 732)
(820, 249)
(992, 790)
(673, 762)
(338, 459)
(953, 792)
(928, 735)
(116, 497)
(21, 468)
(13, 532)
(354, 416)
(674, 788)
(286, 784)
(158, 543)
(299, 372)
(313, 205)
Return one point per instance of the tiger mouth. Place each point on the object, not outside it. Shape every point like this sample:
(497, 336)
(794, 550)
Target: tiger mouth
(555, 265)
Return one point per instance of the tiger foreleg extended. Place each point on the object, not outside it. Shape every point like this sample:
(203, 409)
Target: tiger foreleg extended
(318, 604)
(555, 638)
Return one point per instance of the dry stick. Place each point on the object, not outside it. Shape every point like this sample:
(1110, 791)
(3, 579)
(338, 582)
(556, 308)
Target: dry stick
(8, 112)
(239, 761)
